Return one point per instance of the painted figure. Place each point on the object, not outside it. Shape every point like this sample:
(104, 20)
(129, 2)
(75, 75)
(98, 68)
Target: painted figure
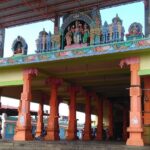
(44, 40)
(68, 37)
(86, 34)
(48, 41)
(77, 34)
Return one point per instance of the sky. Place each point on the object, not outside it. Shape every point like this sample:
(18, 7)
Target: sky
(128, 13)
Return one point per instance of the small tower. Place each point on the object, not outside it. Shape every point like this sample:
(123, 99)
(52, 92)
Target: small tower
(43, 43)
(19, 46)
(135, 31)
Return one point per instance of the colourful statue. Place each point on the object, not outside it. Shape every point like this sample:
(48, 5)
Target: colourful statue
(48, 42)
(44, 42)
(68, 37)
(19, 46)
(135, 31)
(86, 34)
(77, 34)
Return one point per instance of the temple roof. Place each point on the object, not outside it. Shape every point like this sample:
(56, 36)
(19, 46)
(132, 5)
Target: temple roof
(14, 12)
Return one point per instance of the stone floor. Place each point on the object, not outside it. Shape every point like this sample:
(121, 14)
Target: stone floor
(66, 145)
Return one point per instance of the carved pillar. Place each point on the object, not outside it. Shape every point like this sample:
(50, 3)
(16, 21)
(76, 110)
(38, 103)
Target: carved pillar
(72, 126)
(99, 108)
(147, 17)
(24, 119)
(39, 127)
(147, 110)
(53, 126)
(124, 134)
(110, 119)
(2, 39)
(87, 127)
(135, 127)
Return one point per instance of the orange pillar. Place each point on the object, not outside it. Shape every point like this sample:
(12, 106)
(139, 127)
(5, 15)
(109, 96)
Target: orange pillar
(99, 108)
(135, 127)
(87, 127)
(147, 100)
(53, 125)
(39, 127)
(24, 119)
(125, 134)
(110, 119)
(72, 127)
(146, 134)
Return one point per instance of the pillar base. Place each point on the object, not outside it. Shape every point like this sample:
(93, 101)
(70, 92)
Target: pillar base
(71, 135)
(23, 135)
(52, 136)
(98, 137)
(87, 137)
(135, 138)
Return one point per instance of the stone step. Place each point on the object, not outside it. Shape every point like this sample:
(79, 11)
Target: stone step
(66, 145)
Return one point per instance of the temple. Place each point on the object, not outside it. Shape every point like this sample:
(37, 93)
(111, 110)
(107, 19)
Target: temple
(93, 67)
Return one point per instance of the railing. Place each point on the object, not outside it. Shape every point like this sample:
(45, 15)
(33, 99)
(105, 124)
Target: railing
(137, 44)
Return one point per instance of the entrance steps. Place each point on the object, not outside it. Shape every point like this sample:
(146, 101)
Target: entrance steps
(67, 145)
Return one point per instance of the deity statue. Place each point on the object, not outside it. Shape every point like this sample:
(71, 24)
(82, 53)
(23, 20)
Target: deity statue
(134, 29)
(68, 37)
(48, 41)
(40, 43)
(72, 32)
(86, 33)
(18, 47)
(44, 40)
(81, 30)
(77, 34)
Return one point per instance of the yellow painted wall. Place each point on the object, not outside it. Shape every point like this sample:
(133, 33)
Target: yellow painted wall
(144, 65)
(11, 77)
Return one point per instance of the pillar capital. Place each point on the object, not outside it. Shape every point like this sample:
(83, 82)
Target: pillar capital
(30, 72)
(134, 67)
(129, 61)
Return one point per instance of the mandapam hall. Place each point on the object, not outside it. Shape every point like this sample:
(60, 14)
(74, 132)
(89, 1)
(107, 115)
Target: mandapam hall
(93, 67)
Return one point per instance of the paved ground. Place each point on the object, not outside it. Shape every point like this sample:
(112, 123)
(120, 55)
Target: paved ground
(66, 145)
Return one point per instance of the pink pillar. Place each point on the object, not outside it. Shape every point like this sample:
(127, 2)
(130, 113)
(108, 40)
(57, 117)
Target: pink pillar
(87, 127)
(39, 127)
(72, 127)
(53, 125)
(99, 109)
(135, 127)
(24, 119)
